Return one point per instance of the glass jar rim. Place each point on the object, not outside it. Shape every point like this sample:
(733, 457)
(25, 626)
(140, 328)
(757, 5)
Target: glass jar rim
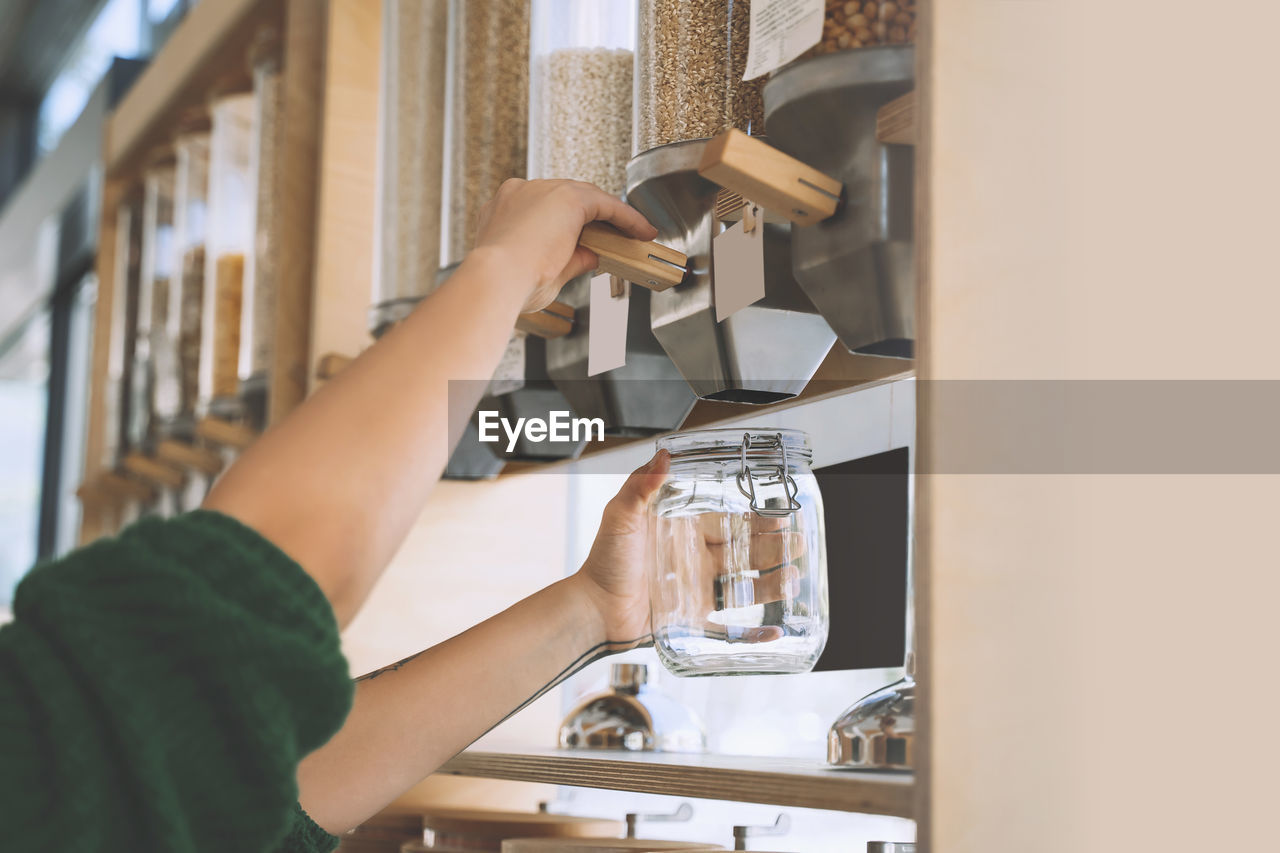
(703, 445)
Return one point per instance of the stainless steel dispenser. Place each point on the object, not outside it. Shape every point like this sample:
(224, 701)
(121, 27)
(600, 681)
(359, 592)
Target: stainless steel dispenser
(644, 397)
(537, 397)
(858, 265)
(632, 716)
(762, 354)
(878, 731)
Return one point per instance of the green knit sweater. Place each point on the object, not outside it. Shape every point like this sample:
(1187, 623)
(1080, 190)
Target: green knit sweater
(157, 691)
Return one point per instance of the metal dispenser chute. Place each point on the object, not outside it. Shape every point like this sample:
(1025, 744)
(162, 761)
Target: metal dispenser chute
(858, 265)
(762, 354)
(645, 396)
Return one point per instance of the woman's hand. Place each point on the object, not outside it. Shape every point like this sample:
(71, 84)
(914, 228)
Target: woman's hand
(615, 574)
(535, 226)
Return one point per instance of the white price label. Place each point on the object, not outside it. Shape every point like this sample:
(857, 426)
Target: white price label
(780, 31)
(607, 336)
(737, 268)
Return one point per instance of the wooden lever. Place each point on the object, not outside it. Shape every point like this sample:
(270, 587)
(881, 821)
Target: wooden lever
(185, 455)
(896, 121)
(330, 365)
(226, 433)
(650, 265)
(554, 321)
(110, 487)
(777, 182)
(153, 471)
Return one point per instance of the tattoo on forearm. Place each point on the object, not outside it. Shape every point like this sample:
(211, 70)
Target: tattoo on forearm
(590, 656)
(391, 668)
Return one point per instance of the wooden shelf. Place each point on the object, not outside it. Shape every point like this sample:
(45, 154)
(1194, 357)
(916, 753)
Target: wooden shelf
(774, 781)
(840, 372)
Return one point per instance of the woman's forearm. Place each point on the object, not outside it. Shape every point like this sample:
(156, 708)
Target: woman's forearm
(338, 484)
(411, 717)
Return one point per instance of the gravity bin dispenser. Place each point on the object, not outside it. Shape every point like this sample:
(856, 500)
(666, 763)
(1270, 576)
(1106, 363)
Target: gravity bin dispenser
(857, 265)
(767, 351)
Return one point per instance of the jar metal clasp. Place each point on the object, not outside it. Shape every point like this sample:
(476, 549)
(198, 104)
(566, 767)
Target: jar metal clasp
(746, 480)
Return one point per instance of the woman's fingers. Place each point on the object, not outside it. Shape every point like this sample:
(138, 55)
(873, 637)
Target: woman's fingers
(599, 205)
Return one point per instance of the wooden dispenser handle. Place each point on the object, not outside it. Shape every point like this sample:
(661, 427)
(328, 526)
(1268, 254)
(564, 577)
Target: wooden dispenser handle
(331, 364)
(777, 182)
(554, 321)
(218, 431)
(896, 121)
(153, 471)
(650, 265)
(190, 456)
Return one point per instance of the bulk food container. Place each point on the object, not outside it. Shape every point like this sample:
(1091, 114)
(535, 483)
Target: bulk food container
(150, 348)
(411, 125)
(262, 277)
(468, 830)
(186, 301)
(488, 103)
(738, 583)
(863, 23)
(126, 277)
(690, 58)
(582, 54)
(230, 241)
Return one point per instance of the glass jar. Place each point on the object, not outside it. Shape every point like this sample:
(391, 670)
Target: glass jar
(153, 299)
(231, 232)
(863, 23)
(190, 227)
(738, 583)
(582, 55)
(690, 59)
(261, 280)
(488, 105)
(411, 159)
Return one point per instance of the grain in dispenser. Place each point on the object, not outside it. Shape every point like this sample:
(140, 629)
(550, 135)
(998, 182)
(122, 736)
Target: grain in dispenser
(411, 124)
(154, 365)
(488, 109)
(186, 300)
(126, 277)
(690, 59)
(582, 55)
(262, 276)
(232, 195)
(582, 60)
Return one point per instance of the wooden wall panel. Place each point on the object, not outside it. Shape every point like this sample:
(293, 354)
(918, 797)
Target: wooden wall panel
(348, 174)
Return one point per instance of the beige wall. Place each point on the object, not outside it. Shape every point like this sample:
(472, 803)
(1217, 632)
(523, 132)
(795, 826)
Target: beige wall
(1103, 186)
(477, 549)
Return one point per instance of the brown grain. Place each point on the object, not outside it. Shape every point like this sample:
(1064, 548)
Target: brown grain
(490, 99)
(692, 54)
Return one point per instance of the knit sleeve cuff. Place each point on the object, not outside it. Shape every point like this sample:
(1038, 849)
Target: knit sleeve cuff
(306, 836)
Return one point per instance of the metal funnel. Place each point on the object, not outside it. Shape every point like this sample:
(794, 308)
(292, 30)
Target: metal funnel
(858, 266)
(763, 353)
(644, 397)
(537, 398)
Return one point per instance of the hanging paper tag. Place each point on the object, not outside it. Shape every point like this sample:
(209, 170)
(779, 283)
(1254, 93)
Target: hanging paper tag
(781, 30)
(607, 334)
(737, 266)
(510, 373)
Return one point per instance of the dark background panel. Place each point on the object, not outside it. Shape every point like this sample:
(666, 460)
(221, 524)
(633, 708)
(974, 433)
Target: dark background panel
(867, 528)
